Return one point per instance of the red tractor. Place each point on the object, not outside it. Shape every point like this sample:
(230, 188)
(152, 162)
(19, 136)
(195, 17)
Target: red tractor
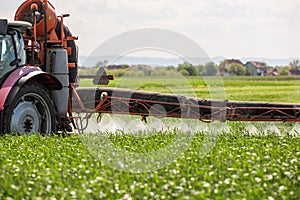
(38, 69)
(38, 62)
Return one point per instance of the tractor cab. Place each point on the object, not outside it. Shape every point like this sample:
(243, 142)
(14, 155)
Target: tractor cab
(12, 49)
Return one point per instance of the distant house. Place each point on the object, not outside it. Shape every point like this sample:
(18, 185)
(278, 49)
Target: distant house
(294, 72)
(225, 64)
(255, 68)
(272, 72)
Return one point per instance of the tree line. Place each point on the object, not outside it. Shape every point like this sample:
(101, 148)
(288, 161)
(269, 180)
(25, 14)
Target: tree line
(188, 69)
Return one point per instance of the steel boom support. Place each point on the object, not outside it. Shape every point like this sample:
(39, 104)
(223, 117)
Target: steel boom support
(131, 102)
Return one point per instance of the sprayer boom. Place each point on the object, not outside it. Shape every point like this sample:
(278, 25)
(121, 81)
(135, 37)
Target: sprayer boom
(130, 102)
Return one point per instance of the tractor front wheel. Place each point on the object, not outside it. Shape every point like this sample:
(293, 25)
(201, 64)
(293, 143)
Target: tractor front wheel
(31, 111)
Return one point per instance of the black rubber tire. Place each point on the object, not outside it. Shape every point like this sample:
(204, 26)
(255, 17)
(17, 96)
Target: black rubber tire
(39, 116)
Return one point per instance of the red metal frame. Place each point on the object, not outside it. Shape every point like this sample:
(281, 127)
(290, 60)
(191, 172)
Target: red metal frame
(111, 104)
(204, 110)
(39, 31)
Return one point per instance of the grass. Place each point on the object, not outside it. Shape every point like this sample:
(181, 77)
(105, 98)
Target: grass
(271, 89)
(240, 165)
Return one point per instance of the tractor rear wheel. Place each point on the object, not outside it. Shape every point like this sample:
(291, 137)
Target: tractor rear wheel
(31, 111)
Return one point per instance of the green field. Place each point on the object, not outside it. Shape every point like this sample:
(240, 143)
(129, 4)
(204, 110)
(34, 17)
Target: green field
(272, 89)
(239, 164)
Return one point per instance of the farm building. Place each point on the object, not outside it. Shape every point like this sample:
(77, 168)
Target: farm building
(273, 72)
(255, 68)
(294, 72)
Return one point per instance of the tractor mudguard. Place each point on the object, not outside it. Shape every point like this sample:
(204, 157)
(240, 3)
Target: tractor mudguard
(19, 77)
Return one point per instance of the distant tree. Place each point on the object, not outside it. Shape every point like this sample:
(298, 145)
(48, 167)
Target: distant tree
(101, 63)
(170, 67)
(125, 65)
(192, 70)
(237, 69)
(184, 72)
(210, 69)
(223, 64)
(283, 71)
(201, 69)
(295, 64)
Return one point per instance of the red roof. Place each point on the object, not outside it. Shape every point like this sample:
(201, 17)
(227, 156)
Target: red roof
(258, 65)
(233, 61)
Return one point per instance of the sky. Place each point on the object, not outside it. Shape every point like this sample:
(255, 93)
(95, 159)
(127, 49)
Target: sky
(228, 28)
